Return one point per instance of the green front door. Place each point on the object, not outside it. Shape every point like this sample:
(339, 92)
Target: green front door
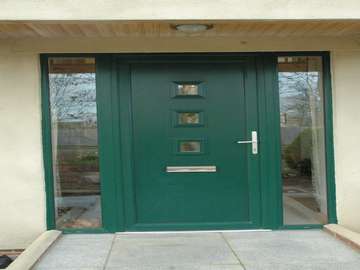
(188, 169)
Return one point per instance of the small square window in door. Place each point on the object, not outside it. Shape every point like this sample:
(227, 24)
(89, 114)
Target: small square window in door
(188, 119)
(187, 89)
(189, 146)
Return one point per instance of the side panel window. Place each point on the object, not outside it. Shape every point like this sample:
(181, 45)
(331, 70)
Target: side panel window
(74, 142)
(302, 140)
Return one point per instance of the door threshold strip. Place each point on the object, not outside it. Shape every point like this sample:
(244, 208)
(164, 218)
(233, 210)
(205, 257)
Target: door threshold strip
(202, 231)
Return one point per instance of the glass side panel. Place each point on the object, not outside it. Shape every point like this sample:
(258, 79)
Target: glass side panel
(188, 118)
(187, 90)
(75, 142)
(302, 140)
(190, 147)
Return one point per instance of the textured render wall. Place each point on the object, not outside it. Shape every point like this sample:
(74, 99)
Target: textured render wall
(346, 95)
(177, 9)
(22, 197)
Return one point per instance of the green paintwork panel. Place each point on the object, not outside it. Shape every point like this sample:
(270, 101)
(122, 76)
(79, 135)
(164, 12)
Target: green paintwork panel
(227, 198)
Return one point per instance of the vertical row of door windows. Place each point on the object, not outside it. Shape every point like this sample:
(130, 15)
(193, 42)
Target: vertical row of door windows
(74, 138)
(188, 118)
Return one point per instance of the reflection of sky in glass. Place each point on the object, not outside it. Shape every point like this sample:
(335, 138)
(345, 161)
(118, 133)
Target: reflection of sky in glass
(73, 96)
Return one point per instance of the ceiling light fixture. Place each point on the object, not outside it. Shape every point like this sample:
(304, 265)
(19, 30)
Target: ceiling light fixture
(192, 28)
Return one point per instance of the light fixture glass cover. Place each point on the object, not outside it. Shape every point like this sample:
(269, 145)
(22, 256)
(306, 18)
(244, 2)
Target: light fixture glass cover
(192, 28)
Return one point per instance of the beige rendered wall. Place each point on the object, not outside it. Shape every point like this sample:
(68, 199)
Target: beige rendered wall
(346, 99)
(178, 9)
(22, 199)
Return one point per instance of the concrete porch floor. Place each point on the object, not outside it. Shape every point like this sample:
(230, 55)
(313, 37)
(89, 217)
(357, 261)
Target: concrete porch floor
(273, 250)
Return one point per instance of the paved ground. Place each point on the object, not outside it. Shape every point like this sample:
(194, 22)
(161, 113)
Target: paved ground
(277, 250)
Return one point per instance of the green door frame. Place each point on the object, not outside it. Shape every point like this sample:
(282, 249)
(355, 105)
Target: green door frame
(329, 140)
(114, 151)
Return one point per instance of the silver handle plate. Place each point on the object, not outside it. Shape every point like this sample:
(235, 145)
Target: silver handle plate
(254, 142)
(190, 169)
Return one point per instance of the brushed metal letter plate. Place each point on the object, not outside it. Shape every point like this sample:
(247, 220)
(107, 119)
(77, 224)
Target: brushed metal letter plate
(190, 169)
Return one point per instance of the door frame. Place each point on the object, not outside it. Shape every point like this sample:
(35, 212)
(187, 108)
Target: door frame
(113, 151)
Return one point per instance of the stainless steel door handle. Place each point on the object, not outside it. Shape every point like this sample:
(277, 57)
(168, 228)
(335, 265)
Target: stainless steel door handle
(254, 142)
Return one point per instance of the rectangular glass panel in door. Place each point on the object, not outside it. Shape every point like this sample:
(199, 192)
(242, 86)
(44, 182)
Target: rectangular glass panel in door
(302, 140)
(184, 199)
(75, 142)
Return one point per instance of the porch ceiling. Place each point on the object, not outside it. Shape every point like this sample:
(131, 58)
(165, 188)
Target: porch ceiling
(164, 29)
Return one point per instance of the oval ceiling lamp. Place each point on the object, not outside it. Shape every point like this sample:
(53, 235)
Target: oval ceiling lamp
(192, 28)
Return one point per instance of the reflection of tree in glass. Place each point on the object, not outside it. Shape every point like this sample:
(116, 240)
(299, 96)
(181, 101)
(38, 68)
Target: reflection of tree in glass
(300, 103)
(298, 154)
(74, 129)
(72, 96)
(300, 95)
